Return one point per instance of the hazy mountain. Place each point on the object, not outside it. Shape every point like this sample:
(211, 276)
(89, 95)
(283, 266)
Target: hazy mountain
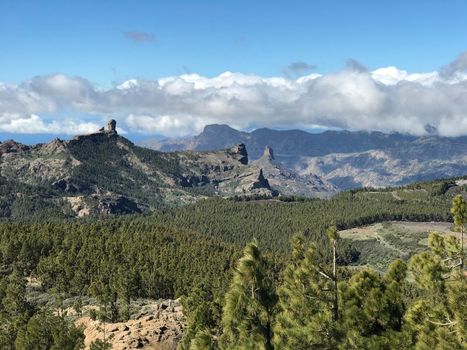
(285, 143)
(344, 158)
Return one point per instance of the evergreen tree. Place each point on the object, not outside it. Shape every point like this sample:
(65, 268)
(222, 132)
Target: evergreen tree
(248, 309)
(46, 331)
(372, 309)
(459, 214)
(333, 236)
(305, 317)
(438, 320)
(203, 318)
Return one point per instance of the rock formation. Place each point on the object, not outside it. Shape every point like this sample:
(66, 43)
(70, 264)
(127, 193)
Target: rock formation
(239, 152)
(288, 182)
(261, 182)
(112, 126)
(268, 153)
(158, 326)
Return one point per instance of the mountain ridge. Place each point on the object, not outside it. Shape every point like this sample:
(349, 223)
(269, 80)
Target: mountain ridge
(347, 159)
(105, 173)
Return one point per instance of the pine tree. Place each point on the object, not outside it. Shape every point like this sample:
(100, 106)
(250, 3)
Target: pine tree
(438, 320)
(305, 317)
(459, 214)
(203, 318)
(46, 331)
(333, 236)
(372, 309)
(249, 302)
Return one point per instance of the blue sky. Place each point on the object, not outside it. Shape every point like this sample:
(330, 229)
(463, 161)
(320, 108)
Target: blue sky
(86, 38)
(61, 63)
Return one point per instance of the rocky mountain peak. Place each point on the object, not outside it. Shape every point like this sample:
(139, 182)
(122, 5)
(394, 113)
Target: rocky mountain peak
(268, 153)
(112, 126)
(217, 128)
(239, 152)
(11, 146)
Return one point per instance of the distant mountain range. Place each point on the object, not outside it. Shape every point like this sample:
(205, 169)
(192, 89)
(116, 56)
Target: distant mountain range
(343, 158)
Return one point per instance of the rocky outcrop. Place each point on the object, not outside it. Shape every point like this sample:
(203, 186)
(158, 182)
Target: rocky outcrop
(158, 326)
(268, 153)
(65, 185)
(116, 204)
(288, 182)
(239, 152)
(11, 146)
(194, 180)
(112, 126)
(261, 182)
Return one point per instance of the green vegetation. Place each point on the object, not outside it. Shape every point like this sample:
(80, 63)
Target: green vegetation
(422, 305)
(276, 299)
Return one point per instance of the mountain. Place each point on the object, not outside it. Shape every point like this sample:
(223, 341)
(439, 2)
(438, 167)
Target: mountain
(213, 137)
(286, 143)
(104, 173)
(344, 158)
(289, 182)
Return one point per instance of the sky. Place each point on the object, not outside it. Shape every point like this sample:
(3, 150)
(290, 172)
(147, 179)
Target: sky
(167, 68)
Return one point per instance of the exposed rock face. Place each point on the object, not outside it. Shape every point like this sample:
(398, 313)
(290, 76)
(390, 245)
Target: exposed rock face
(158, 326)
(65, 185)
(268, 153)
(116, 204)
(239, 152)
(288, 182)
(112, 126)
(11, 146)
(261, 182)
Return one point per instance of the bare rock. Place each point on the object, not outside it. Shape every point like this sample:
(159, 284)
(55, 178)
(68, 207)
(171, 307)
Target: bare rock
(239, 152)
(260, 182)
(112, 126)
(160, 329)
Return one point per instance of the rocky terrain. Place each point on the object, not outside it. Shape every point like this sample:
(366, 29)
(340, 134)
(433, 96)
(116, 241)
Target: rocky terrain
(289, 182)
(345, 159)
(104, 173)
(157, 326)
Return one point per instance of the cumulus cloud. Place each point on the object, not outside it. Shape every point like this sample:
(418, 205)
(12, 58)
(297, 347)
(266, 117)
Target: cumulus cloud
(386, 99)
(33, 124)
(140, 37)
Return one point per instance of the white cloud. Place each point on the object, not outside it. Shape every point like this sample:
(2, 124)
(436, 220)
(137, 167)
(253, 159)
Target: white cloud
(165, 124)
(387, 99)
(34, 124)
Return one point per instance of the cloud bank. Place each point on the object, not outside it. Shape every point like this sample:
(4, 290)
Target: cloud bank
(386, 99)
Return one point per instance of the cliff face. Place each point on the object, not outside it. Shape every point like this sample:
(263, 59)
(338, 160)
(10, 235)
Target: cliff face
(289, 182)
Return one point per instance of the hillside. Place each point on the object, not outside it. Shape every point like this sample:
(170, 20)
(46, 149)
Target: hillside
(109, 265)
(344, 158)
(105, 173)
